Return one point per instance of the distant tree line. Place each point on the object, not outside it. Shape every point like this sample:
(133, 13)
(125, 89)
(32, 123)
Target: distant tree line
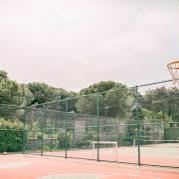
(114, 99)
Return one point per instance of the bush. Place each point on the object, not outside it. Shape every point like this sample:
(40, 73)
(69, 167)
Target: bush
(85, 142)
(171, 133)
(11, 136)
(64, 140)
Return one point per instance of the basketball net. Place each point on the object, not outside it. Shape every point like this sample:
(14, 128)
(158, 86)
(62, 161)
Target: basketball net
(173, 68)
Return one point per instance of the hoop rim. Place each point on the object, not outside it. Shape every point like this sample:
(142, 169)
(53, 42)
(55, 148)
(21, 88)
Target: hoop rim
(173, 68)
(173, 62)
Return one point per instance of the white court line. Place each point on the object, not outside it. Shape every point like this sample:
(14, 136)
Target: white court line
(10, 165)
(103, 163)
(134, 176)
(71, 176)
(134, 166)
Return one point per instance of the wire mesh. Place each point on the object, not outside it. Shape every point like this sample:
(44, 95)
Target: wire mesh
(132, 125)
(11, 128)
(159, 124)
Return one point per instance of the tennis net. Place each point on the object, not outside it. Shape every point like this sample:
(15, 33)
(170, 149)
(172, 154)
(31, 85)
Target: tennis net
(157, 143)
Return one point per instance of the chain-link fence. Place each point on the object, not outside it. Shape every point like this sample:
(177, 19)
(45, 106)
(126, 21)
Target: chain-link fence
(159, 124)
(138, 125)
(11, 128)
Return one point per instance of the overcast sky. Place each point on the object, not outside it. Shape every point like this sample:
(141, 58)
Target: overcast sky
(74, 43)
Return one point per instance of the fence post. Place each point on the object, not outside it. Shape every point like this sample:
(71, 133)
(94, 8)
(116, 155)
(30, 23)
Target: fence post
(24, 131)
(43, 121)
(66, 135)
(51, 135)
(138, 126)
(97, 130)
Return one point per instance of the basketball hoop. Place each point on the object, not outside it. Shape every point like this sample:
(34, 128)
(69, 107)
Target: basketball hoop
(173, 68)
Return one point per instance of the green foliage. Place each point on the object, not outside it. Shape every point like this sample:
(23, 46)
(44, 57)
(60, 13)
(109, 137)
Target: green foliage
(64, 140)
(116, 102)
(83, 143)
(98, 87)
(47, 148)
(130, 133)
(163, 101)
(11, 136)
(154, 116)
(34, 122)
(39, 136)
(172, 133)
(12, 93)
(43, 93)
(119, 101)
(88, 104)
(3, 75)
(27, 95)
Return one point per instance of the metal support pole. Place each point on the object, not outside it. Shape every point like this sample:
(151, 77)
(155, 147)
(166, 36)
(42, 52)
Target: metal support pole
(66, 135)
(97, 130)
(138, 126)
(43, 121)
(24, 131)
(51, 134)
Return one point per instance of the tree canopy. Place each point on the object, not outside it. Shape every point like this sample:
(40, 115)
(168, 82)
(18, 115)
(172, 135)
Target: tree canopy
(114, 99)
(13, 93)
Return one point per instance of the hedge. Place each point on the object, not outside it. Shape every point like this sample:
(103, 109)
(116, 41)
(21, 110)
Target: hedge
(11, 136)
(172, 133)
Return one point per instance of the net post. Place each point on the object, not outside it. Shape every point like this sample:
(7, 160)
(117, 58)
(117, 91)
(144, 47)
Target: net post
(138, 126)
(66, 135)
(97, 131)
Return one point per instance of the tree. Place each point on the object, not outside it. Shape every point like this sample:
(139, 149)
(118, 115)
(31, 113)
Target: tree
(12, 96)
(88, 104)
(3, 75)
(44, 93)
(119, 101)
(55, 98)
(164, 101)
(98, 87)
(115, 102)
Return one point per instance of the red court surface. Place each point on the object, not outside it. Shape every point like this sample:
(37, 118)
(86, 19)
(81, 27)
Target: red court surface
(20, 166)
(151, 156)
